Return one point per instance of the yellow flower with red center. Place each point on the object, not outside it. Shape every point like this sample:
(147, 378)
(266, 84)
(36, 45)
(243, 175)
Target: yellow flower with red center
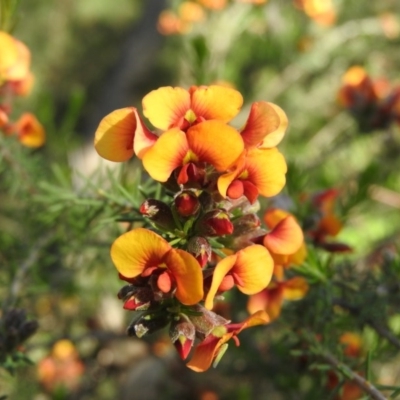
(261, 169)
(250, 269)
(214, 345)
(211, 142)
(121, 134)
(141, 252)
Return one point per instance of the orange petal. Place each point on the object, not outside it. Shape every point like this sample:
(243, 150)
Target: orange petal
(136, 250)
(114, 136)
(266, 170)
(216, 102)
(167, 154)
(275, 301)
(257, 302)
(166, 107)
(265, 126)
(254, 267)
(330, 225)
(144, 138)
(285, 238)
(216, 143)
(299, 256)
(188, 275)
(205, 352)
(222, 268)
(30, 131)
(295, 288)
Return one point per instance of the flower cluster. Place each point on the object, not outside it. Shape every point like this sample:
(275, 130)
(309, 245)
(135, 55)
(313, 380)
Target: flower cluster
(374, 103)
(207, 239)
(188, 13)
(17, 80)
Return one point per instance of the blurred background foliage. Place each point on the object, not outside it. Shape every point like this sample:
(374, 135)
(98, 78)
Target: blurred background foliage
(59, 204)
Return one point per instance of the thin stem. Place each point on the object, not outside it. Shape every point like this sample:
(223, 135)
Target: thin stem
(18, 281)
(361, 382)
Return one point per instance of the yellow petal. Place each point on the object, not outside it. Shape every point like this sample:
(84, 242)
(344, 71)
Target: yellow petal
(216, 102)
(20, 69)
(222, 268)
(114, 136)
(254, 267)
(8, 54)
(266, 170)
(216, 143)
(188, 275)
(167, 154)
(166, 107)
(136, 250)
(295, 288)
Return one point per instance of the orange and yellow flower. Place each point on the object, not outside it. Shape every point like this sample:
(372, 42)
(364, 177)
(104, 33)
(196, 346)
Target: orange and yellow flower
(214, 345)
(249, 269)
(271, 299)
(63, 368)
(141, 252)
(29, 131)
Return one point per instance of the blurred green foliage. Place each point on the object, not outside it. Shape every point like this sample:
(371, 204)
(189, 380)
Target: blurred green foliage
(59, 212)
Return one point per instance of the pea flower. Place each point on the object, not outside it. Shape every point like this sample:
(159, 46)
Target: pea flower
(141, 252)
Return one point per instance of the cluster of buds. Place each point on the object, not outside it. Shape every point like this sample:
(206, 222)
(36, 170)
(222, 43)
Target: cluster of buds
(374, 103)
(207, 238)
(17, 80)
(14, 330)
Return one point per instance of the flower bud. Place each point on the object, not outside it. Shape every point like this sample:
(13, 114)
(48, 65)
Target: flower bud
(139, 300)
(182, 334)
(215, 223)
(207, 321)
(187, 203)
(190, 173)
(200, 248)
(159, 213)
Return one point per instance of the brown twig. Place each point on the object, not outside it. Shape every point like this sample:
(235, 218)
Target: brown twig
(361, 382)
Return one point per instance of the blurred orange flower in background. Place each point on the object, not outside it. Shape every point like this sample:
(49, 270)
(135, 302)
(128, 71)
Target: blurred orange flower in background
(320, 11)
(63, 368)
